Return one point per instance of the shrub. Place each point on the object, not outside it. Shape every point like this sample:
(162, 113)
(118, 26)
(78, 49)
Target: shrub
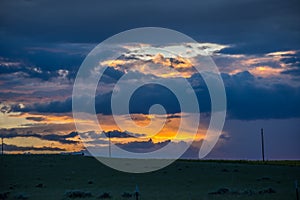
(3, 195)
(126, 195)
(77, 194)
(220, 191)
(105, 195)
(21, 196)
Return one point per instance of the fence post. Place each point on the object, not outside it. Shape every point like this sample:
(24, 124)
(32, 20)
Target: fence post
(137, 194)
(296, 186)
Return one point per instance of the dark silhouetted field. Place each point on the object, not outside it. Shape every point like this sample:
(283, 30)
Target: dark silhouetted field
(67, 177)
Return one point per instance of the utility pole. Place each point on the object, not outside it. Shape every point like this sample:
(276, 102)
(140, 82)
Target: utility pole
(109, 144)
(262, 145)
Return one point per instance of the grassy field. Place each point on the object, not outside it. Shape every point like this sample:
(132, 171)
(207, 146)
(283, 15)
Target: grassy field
(45, 177)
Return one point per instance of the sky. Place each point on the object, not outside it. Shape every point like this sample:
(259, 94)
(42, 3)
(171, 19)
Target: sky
(254, 43)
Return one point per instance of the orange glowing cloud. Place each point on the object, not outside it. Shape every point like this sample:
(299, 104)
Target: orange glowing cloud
(170, 126)
(113, 63)
(45, 119)
(149, 125)
(282, 53)
(266, 71)
(177, 62)
(172, 66)
(267, 65)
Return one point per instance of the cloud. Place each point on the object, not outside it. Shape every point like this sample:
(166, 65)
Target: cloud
(125, 134)
(36, 70)
(99, 139)
(146, 64)
(293, 63)
(266, 71)
(192, 151)
(48, 107)
(142, 146)
(63, 139)
(9, 66)
(295, 71)
(50, 58)
(173, 116)
(9, 147)
(248, 97)
(36, 62)
(111, 75)
(257, 49)
(5, 109)
(32, 43)
(235, 21)
(148, 95)
(242, 140)
(37, 119)
(141, 101)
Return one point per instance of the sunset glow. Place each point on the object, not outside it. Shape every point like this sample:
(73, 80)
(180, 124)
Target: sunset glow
(257, 63)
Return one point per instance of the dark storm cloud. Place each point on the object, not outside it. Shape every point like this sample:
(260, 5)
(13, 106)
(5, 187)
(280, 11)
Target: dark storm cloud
(51, 107)
(39, 38)
(293, 61)
(5, 109)
(38, 32)
(222, 20)
(151, 94)
(295, 71)
(110, 75)
(37, 119)
(243, 140)
(47, 57)
(31, 72)
(112, 134)
(94, 138)
(142, 147)
(120, 134)
(63, 139)
(192, 151)
(247, 99)
(9, 147)
(140, 102)
(173, 116)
